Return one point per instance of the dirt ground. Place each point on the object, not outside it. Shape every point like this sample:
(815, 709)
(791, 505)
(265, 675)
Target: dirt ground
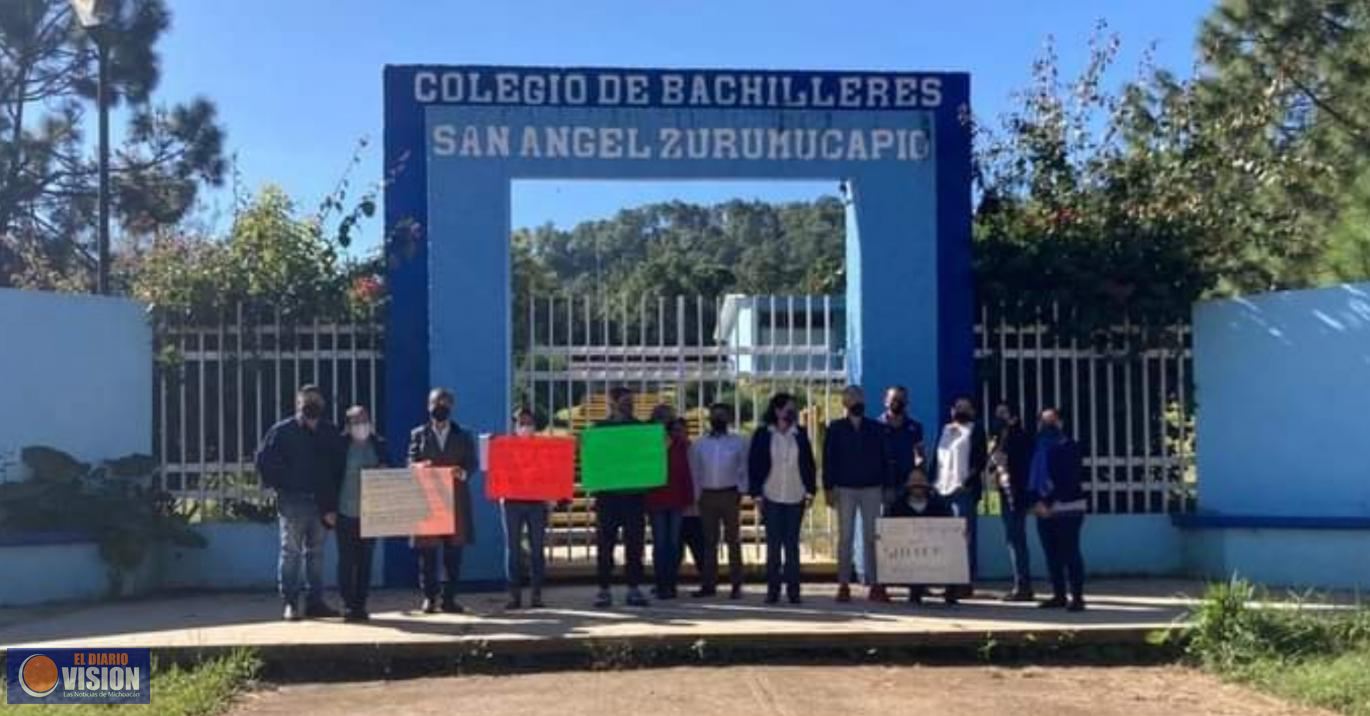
(786, 691)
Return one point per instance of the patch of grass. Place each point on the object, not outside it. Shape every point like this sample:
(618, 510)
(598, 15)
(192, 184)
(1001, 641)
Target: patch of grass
(204, 689)
(1305, 652)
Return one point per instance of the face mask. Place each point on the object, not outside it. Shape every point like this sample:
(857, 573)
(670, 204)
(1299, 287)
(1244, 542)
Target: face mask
(312, 411)
(440, 412)
(857, 410)
(962, 417)
(718, 426)
(360, 431)
(524, 430)
(897, 407)
(789, 415)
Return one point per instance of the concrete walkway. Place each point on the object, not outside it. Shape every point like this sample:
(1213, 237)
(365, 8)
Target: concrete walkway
(1120, 612)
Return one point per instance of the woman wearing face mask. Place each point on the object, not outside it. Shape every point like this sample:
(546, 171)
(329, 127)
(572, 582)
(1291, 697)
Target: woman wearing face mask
(521, 516)
(783, 479)
(962, 455)
(365, 451)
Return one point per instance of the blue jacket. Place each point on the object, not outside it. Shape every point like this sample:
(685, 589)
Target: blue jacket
(294, 459)
(905, 445)
(759, 461)
(855, 457)
(1056, 471)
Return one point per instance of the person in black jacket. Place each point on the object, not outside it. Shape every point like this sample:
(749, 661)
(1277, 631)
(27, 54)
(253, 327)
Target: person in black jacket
(915, 501)
(1009, 461)
(300, 459)
(783, 478)
(856, 477)
(364, 450)
(441, 442)
(1055, 488)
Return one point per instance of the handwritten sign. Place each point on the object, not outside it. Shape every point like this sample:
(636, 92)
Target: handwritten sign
(930, 550)
(408, 501)
(623, 458)
(531, 468)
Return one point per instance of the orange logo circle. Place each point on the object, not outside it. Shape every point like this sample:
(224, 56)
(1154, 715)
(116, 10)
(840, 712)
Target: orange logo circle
(38, 676)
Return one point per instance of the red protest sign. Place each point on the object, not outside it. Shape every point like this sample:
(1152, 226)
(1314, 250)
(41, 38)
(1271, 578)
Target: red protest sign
(531, 468)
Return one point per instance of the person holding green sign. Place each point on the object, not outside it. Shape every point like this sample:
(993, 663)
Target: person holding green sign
(616, 510)
(783, 479)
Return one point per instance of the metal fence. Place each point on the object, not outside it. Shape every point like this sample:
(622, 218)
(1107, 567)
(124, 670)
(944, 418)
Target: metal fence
(218, 387)
(1126, 397)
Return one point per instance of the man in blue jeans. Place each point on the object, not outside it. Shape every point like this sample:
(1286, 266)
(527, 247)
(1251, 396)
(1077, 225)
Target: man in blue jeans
(301, 459)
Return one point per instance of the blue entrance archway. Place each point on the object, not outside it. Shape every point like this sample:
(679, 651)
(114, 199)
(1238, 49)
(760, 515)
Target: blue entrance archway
(456, 137)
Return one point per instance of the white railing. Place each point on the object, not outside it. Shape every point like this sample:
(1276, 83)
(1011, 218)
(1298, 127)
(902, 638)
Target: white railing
(218, 387)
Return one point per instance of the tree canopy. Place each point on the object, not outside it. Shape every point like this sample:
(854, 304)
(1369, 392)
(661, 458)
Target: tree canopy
(48, 71)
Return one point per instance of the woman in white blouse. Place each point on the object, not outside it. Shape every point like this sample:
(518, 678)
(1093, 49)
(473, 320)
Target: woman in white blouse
(783, 480)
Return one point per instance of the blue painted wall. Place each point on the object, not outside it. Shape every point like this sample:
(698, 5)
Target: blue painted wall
(1282, 384)
(447, 209)
(1113, 545)
(77, 374)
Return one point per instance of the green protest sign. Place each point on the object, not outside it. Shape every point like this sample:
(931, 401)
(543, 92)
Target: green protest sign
(623, 457)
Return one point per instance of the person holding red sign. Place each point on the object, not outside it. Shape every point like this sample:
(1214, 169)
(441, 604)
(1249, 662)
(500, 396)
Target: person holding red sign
(522, 516)
(441, 442)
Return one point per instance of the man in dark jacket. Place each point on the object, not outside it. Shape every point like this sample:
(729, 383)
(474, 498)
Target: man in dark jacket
(1009, 466)
(301, 459)
(917, 500)
(624, 510)
(856, 475)
(1058, 497)
(441, 442)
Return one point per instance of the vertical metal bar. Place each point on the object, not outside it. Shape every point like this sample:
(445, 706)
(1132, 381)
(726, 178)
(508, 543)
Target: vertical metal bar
(164, 388)
(238, 459)
(1056, 356)
(223, 414)
(1112, 431)
(642, 340)
(1094, 437)
(530, 360)
(354, 333)
(1003, 362)
(1147, 476)
(1166, 464)
(1039, 332)
(1129, 458)
(1181, 388)
(377, 350)
(185, 404)
(1075, 420)
(985, 388)
(699, 349)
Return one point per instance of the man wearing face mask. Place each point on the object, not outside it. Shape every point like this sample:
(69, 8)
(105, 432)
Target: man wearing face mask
(1009, 462)
(365, 451)
(1058, 499)
(903, 434)
(856, 475)
(718, 462)
(441, 442)
(962, 453)
(300, 458)
(918, 500)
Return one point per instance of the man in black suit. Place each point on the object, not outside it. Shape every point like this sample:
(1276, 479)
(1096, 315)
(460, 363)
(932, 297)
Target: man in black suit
(441, 442)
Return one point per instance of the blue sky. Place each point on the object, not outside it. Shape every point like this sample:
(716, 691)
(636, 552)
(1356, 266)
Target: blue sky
(299, 82)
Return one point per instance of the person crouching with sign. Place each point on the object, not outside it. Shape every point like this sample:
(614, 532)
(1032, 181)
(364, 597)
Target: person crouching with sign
(918, 500)
(518, 516)
(365, 451)
(441, 442)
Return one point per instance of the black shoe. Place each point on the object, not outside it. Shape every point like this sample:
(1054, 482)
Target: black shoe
(604, 599)
(353, 616)
(704, 592)
(291, 613)
(1018, 595)
(536, 601)
(430, 605)
(951, 599)
(736, 593)
(515, 602)
(450, 606)
(320, 610)
(795, 600)
(635, 598)
(1053, 603)
(1076, 605)
(772, 597)
(916, 600)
